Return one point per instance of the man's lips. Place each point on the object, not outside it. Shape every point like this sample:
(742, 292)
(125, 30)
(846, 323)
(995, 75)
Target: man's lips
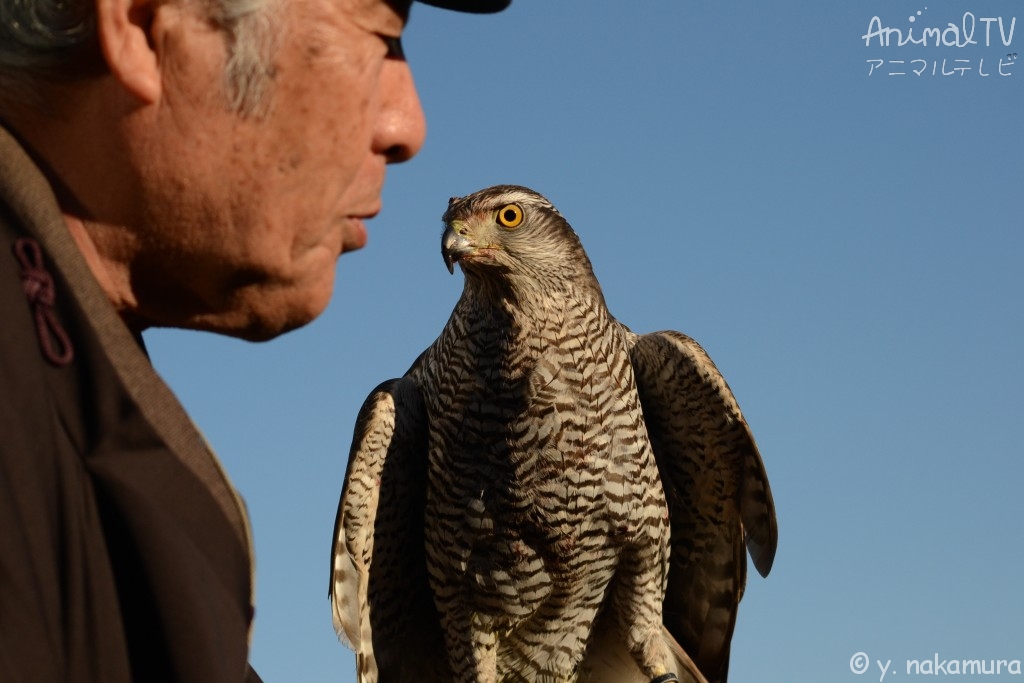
(355, 234)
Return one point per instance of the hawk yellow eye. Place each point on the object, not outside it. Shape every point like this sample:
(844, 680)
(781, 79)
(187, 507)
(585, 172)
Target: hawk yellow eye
(510, 215)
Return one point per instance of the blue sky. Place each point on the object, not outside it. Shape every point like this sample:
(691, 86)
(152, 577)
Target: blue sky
(846, 244)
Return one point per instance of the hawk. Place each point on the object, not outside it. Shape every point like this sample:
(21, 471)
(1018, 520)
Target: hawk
(545, 495)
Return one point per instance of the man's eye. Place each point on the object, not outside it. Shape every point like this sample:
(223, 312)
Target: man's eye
(394, 44)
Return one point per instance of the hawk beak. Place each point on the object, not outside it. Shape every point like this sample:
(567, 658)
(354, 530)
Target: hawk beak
(454, 246)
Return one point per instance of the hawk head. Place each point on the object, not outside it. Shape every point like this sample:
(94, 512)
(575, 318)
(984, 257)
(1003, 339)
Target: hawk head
(512, 234)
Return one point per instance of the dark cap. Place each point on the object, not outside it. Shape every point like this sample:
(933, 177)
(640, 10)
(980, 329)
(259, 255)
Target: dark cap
(475, 6)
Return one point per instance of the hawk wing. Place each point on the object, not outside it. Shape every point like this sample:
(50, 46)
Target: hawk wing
(382, 604)
(716, 488)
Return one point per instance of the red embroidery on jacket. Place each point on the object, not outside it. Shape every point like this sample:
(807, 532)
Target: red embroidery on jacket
(37, 283)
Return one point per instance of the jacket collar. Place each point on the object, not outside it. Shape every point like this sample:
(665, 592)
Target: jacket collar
(26, 192)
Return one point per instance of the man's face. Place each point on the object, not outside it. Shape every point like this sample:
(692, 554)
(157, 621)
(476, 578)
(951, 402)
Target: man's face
(243, 217)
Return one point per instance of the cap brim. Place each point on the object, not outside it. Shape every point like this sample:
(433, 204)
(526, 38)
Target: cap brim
(474, 6)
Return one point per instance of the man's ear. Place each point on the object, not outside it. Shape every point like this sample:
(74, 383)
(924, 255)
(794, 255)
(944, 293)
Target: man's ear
(124, 29)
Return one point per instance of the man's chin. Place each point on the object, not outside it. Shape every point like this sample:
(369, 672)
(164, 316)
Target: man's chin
(267, 317)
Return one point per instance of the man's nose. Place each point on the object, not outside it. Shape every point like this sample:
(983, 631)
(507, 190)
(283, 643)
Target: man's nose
(401, 127)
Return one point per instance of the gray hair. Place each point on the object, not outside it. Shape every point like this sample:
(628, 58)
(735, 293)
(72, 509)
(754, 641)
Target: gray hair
(46, 42)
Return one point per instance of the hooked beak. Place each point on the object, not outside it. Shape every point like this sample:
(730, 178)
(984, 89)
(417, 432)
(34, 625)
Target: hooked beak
(454, 246)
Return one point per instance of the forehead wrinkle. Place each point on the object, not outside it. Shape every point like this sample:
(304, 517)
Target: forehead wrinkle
(340, 27)
(386, 17)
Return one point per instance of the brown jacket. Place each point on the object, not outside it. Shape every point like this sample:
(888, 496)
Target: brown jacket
(125, 552)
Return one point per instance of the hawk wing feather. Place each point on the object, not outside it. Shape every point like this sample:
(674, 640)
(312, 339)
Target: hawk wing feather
(717, 489)
(382, 604)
